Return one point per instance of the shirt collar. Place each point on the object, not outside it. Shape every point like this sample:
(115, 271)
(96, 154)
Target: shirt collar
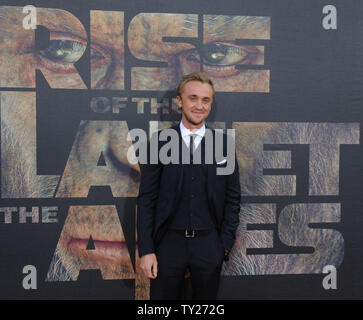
(186, 132)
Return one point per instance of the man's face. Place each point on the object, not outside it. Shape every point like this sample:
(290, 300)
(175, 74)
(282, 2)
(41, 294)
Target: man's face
(196, 101)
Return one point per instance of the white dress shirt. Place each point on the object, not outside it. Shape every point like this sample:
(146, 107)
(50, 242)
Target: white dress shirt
(185, 133)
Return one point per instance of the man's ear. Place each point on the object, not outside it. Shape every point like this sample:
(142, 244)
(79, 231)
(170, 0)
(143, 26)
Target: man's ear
(179, 100)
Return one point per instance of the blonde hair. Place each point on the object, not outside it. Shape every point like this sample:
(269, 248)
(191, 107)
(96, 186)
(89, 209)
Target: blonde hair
(195, 76)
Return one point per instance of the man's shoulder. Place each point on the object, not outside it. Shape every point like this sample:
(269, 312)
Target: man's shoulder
(167, 131)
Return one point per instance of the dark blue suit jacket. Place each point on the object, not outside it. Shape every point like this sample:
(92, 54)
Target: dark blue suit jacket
(160, 193)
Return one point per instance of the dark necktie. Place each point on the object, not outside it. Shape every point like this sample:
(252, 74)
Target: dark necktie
(191, 146)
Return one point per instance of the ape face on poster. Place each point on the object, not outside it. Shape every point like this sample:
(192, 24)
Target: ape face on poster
(91, 71)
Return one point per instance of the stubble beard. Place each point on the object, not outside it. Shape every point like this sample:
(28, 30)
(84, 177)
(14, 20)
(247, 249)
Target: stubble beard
(192, 121)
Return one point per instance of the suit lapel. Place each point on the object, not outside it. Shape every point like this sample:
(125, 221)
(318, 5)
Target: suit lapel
(211, 169)
(179, 167)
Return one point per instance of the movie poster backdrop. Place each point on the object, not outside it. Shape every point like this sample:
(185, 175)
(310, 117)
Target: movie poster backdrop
(77, 76)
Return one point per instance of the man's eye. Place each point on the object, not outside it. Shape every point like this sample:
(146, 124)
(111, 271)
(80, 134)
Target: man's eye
(64, 51)
(218, 54)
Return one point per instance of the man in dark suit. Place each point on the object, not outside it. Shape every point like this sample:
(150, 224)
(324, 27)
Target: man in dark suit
(187, 214)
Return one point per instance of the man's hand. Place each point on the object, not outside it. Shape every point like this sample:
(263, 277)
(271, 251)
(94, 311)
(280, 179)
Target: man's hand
(149, 265)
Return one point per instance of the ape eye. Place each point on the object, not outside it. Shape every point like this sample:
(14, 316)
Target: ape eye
(220, 60)
(64, 50)
(219, 54)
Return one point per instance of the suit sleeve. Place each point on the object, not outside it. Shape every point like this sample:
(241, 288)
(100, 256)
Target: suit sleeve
(146, 205)
(231, 209)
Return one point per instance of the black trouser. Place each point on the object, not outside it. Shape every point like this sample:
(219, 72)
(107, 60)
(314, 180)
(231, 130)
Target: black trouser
(203, 255)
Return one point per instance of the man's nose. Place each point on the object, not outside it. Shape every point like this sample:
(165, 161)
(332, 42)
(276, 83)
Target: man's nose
(199, 104)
